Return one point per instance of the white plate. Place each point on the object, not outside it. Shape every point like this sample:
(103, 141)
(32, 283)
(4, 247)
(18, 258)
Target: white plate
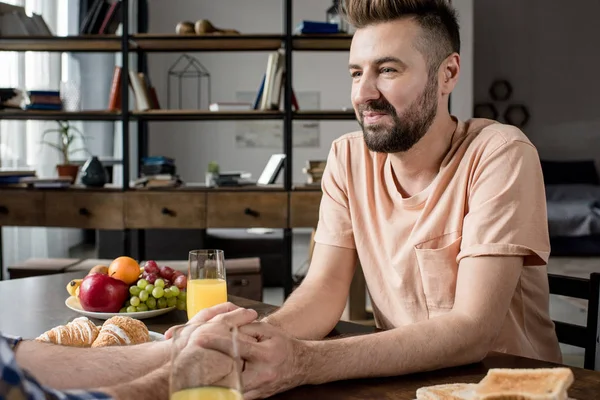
(156, 337)
(73, 303)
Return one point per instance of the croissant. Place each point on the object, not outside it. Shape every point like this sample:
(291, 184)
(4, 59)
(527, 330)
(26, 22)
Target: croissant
(120, 331)
(81, 332)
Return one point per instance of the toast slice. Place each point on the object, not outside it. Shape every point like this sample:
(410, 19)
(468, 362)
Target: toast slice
(525, 384)
(452, 391)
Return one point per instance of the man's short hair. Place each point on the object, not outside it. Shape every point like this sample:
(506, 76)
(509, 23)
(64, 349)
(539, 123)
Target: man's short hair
(437, 18)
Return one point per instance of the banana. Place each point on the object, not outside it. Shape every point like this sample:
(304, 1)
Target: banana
(73, 286)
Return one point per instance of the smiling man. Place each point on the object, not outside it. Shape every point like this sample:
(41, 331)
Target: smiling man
(447, 218)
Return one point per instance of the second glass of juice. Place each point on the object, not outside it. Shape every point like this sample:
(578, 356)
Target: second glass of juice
(206, 285)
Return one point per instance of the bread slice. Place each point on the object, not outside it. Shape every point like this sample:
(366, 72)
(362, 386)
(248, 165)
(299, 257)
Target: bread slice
(525, 384)
(451, 391)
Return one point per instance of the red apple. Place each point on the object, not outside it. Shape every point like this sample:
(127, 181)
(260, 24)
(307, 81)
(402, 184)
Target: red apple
(166, 272)
(101, 293)
(151, 267)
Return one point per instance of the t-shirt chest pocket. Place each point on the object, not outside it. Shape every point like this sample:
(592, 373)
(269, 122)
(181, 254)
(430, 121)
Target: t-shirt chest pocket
(437, 263)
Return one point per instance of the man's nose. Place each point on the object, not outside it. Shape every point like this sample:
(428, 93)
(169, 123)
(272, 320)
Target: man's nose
(366, 90)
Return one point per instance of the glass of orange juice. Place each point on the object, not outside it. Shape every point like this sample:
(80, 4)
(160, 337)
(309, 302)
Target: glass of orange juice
(206, 285)
(201, 374)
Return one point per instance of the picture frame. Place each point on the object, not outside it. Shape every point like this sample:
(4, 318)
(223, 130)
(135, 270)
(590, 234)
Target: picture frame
(272, 169)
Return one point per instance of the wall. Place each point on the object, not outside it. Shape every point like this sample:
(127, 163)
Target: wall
(461, 101)
(550, 53)
(194, 144)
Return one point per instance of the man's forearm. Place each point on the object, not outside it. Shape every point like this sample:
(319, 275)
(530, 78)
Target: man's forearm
(104, 366)
(442, 342)
(152, 386)
(311, 312)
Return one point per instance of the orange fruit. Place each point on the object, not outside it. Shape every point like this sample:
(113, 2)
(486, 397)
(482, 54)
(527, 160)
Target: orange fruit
(101, 269)
(125, 269)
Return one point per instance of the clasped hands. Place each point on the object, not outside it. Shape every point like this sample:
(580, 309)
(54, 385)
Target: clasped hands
(273, 361)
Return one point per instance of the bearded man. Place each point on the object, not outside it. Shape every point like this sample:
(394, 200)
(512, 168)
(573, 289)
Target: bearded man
(447, 217)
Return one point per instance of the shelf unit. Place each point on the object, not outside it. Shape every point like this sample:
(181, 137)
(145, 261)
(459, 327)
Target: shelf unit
(301, 201)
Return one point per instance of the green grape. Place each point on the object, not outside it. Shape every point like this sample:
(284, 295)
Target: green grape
(151, 303)
(162, 303)
(142, 307)
(142, 283)
(168, 293)
(149, 288)
(159, 283)
(171, 301)
(144, 295)
(135, 301)
(134, 290)
(122, 310)
(158, 292)
(127, 303)
(181, 305)
(182, 295)
(131, 309)
(175, 290)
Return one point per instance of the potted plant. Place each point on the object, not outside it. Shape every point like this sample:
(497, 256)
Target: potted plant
(67, 134)
(212, 173)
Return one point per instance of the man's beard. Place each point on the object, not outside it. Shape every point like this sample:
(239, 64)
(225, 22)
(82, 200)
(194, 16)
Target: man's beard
(407, 129)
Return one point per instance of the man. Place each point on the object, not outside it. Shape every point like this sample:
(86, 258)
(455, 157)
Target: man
(448, 219)
(36, 371)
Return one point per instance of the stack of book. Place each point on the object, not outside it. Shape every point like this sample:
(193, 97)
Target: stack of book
(14, 21)
(158, 171)
(235, 178)
(43, 100)
(314, 170)
(11, 176)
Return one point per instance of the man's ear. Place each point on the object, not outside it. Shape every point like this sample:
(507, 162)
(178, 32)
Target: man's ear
(450, 71)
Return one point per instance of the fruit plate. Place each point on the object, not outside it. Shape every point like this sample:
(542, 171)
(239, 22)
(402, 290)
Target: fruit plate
(73, 303)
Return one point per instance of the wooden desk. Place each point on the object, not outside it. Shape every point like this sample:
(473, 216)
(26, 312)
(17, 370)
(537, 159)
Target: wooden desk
(30, 306)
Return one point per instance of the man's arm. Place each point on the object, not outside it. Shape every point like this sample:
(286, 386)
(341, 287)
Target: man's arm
(484, 291)
(90, 367)
(485, 287)
(314, 308)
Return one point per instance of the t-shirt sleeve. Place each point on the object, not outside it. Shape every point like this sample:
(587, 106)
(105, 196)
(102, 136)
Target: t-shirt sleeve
(335, 224)
(506, 213)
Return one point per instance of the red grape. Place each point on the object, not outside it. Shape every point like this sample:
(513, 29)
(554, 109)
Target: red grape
(151, 278)
(176, 274)
(181, 282)
(167, 282)
(166, 272)
(151, 267)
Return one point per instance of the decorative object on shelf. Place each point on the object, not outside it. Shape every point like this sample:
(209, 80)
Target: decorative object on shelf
(67, 134)
(185, 28)
(204, 27)
(187, 66)
(517, 115)
(500, 90)
(93, 173)
(314, 170)
(212, 173)
(70, 96)
(333, 15)
(485, 110)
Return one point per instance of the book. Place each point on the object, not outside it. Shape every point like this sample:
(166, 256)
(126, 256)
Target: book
(225, 106)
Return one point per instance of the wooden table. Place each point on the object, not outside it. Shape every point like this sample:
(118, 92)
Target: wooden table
(30, 306)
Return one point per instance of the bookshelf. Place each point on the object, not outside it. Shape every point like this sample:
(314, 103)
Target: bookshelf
(281, 206)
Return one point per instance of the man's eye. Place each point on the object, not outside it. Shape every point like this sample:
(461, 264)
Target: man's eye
(387, 70)
(355, 74)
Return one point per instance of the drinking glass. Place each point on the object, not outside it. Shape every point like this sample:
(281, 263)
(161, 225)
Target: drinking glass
(206, 285)
(201, 374)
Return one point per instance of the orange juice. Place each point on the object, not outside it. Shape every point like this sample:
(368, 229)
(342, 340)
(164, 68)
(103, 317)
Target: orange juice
(207, 393)
(204, 293)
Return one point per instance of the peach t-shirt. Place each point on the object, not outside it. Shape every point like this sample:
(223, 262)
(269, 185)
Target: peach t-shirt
(487, 200)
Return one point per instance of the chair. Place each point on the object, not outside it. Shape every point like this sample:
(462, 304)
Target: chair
(586, 337)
